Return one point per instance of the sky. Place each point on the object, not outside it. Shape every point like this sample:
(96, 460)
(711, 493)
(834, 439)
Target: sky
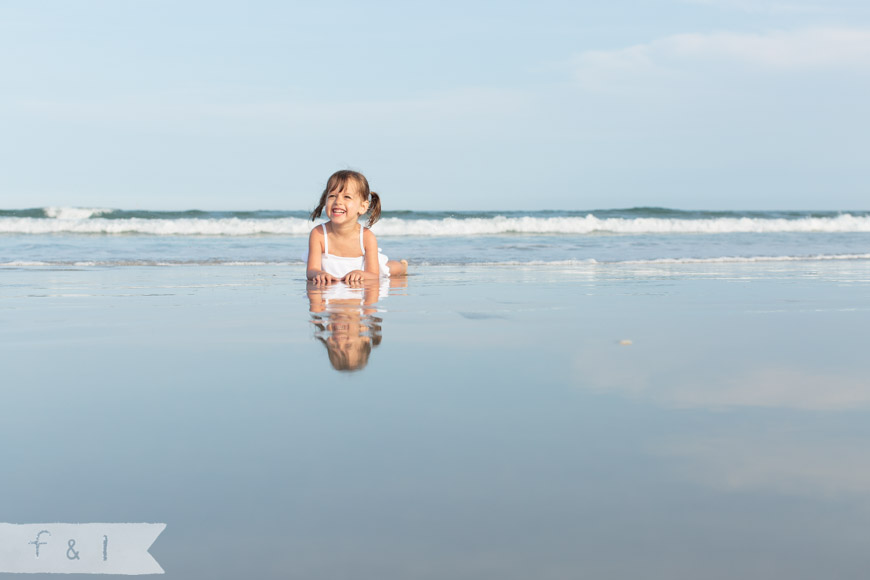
(449, 105)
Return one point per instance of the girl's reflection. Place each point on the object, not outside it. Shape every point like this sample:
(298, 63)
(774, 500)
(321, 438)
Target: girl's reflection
(346, 320)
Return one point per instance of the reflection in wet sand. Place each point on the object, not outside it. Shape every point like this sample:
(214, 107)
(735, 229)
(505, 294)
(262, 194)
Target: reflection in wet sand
(346, 319)
(780, 460)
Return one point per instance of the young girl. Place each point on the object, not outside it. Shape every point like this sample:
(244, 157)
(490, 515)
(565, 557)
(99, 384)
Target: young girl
(341, 249)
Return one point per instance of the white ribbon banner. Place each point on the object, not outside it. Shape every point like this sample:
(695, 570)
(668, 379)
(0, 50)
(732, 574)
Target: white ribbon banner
(79, 548)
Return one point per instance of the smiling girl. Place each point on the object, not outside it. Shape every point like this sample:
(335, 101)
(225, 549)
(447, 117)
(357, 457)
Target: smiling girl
(342, 249)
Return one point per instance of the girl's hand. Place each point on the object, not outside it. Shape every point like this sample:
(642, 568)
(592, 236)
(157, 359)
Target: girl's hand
(324, 278)
(355, 276)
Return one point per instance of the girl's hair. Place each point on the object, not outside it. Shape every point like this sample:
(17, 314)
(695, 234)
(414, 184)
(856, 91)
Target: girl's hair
(341, 360)
(338, 181)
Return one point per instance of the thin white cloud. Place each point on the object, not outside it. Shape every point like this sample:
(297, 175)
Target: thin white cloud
(781, 50)
(766, 6)
(796, 388)
(781, 463)
(774, 387)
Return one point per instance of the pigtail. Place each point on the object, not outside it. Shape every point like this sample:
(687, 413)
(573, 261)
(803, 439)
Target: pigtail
(320, 205)
(374, 209)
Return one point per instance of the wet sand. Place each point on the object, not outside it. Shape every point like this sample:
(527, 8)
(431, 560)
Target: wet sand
(655, 421)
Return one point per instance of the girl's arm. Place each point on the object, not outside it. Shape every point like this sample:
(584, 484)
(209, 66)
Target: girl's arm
(372, 267)
(315, 300)
(315, 256)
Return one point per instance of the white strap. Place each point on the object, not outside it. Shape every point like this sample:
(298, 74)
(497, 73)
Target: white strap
(361, 246)
(325, 240)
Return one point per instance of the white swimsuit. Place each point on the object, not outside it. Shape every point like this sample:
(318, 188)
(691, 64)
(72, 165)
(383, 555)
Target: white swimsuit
(339, 266)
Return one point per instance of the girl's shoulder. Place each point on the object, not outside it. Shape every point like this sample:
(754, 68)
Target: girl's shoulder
(316, 238)
(368, 235)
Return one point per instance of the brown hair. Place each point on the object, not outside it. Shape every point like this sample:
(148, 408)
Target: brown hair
(338, 181)
(370, 336)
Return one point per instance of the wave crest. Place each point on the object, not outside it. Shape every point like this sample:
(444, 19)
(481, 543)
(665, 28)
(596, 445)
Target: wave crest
(74, 213)
(87, 221)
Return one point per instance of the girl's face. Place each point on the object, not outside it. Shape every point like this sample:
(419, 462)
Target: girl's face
(345, 205)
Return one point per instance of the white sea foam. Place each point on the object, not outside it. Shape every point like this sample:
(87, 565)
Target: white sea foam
(741, 259)
(74, 213)
(22, 263)
(666, 261)
(157, 227)
(26, 263)
(591, 262)
(89, 222)
(592, 225)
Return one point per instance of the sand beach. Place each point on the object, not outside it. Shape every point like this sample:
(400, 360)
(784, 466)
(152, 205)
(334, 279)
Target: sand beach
(604, 421)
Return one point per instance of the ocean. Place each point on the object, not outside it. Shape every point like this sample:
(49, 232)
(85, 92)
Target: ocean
(100, 236)
(609, 394)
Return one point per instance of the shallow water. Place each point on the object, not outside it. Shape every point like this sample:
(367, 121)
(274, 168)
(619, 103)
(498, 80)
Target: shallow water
(501, 427)
(100, 236)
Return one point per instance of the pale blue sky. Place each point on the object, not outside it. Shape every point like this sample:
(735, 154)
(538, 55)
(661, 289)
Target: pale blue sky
(715, 104)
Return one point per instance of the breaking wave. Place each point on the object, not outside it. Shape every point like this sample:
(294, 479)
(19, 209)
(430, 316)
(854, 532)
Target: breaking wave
(54, 220)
